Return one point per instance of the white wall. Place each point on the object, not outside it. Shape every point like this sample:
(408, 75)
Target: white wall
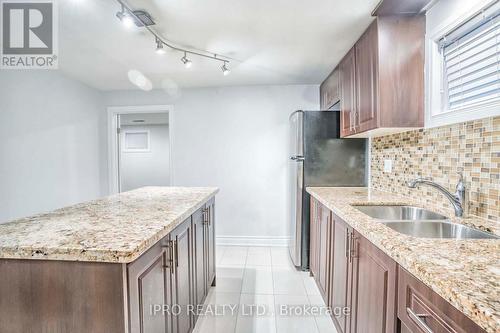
(52, 142)
(236, 139)
(139, 169)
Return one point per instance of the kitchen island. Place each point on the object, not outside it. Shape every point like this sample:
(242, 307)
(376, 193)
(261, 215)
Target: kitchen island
(105, 265)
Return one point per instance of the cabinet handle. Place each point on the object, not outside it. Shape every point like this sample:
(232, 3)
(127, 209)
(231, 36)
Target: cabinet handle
(205, 216)
(169, 260)
(176, 253)
(417, 318)
(352, 248)
(347, 243)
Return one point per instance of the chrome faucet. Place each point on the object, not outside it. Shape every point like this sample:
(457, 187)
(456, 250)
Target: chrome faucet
(457, 199)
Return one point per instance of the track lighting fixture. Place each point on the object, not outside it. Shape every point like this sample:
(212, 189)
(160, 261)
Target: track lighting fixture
(187, 63)
(159, 47)
(226, 71)
(143, 19)
(125, 18)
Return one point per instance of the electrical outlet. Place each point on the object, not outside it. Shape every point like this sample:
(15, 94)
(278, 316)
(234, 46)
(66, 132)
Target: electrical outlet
(387, 165)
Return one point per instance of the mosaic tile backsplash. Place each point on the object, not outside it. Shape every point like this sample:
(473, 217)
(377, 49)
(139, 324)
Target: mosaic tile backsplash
(472, 147)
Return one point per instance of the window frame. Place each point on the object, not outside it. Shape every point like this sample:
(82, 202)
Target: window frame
(436, 112)
(125, 149)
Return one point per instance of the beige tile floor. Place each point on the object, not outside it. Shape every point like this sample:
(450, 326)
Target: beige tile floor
(261, 278)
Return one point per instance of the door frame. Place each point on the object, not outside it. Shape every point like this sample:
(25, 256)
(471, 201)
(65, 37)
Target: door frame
(113, 113)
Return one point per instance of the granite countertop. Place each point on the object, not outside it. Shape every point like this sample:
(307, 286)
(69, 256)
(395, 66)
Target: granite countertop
(464, 272)
(115, 229)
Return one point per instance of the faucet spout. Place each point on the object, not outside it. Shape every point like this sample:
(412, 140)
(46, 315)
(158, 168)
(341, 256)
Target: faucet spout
(457, 199)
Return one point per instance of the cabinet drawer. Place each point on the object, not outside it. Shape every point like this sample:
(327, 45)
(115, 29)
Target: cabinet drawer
(422, 310)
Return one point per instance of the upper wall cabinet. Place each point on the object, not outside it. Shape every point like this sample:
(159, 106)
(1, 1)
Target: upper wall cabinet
(381, 79)
(347, 93)
(329, 90)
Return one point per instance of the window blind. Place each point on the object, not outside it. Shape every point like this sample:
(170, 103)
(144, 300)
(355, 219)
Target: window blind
(471, 55)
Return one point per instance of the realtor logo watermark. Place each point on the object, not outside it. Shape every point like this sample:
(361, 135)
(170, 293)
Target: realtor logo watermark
(29, 34)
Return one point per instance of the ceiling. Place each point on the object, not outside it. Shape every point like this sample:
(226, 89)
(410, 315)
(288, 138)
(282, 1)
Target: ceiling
(272, 41)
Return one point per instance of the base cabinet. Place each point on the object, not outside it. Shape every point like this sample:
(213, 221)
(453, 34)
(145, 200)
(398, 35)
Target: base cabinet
(421, 310)
(340, 272)
(210, 242)
(175, 273)
(323, 238)
(379, 296)
(182, 282)
(373, 288)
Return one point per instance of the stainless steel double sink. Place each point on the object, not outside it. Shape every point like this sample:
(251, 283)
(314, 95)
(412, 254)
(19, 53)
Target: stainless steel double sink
(419, 222)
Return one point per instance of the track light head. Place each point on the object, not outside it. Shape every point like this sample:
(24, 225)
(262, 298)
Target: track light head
(187, 63)
(225, 70)
(159, 47)
(127, 20)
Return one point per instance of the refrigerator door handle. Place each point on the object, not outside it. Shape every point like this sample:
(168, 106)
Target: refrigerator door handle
(297, 158)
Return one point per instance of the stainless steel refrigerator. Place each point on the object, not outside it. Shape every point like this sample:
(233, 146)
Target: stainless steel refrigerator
(319, 157)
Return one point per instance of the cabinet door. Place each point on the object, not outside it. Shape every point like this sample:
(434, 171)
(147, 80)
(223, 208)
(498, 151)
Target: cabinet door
(210, 242)
(322, 277)
(199, 250)
(347, 93)
(148, 287)
(329, 90)
(373, 300)
(313, 243)
(365, 115)
(182, 276)
(340, 272)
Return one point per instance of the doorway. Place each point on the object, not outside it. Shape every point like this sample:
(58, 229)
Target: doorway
(140, 147)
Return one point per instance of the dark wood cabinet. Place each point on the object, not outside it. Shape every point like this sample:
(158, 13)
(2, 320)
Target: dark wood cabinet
(347, 75)
(200, 287)
(340, 272)
(322, 278)
(203, 231)
(313, 237)
(210, 242)
(380, 296)
(319, 246)
(329, 90)
(177, 273)
(381, 78)
(182, 283)
(360, 278)
(365, 115)
(149, 286)
(421, 310)
(373, 288)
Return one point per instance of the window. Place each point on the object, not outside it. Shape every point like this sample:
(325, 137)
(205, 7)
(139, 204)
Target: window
(471, 61)
(465, 69)
(136, 141)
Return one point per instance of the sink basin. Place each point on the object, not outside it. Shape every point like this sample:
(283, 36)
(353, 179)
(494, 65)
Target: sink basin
(438, 229)
(398, 213)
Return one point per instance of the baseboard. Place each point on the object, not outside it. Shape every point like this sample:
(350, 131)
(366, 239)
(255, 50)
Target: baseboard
(252, 241)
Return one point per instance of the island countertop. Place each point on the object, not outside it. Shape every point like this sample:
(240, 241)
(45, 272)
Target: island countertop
(464, 272)
(115, 229)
